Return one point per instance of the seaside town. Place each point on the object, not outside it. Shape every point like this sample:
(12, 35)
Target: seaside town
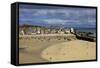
(53, 30)
(32, 30)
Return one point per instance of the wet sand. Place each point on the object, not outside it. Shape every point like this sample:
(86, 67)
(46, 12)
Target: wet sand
(46, 49)
(31, 48)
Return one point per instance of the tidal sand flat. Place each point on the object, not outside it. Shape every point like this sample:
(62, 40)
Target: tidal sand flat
(31, 48)
(70, 51)
(54, 48)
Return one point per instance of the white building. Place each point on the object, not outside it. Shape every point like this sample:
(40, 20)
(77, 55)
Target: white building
(22, 32)
(72, 30)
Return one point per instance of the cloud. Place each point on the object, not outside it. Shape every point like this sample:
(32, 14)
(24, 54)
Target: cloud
(91, 21)
(67, 16)
(60, 21)
(44, 11)
(62, 13)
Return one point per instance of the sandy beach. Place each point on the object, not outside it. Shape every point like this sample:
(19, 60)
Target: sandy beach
(50, 49)
(71, 51)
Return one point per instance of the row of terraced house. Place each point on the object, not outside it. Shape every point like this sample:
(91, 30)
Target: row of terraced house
(31, 30)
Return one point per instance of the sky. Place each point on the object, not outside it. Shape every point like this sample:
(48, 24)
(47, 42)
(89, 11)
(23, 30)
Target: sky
(53, 15)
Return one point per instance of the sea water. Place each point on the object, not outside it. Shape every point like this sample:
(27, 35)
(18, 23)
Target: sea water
(92, 30)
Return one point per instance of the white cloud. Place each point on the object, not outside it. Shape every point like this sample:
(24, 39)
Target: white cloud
(91, 21)
(60, 21)
(38, 12)
(71, 14)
